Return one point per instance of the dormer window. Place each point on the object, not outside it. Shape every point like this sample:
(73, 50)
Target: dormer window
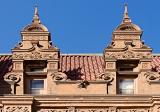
(35, 76)
(35, 66)
(126, 76)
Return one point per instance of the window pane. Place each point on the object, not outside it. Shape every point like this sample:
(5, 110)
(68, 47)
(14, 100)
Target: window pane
(126, 86)
(37, 84)
(36, 69)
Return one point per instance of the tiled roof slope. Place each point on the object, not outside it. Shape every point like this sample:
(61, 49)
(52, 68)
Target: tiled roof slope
(77, 67)
(5, 64)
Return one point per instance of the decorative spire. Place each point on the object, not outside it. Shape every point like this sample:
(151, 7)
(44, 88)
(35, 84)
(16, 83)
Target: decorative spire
(36, 19)
(126, 18)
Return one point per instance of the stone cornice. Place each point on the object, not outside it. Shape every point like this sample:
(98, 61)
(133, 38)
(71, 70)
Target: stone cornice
(127, 32)
(96, 100)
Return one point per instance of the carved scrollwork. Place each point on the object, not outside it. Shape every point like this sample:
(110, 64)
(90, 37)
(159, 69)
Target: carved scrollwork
(109, 77)
(133, 110)
(127, 55)
(59, 76)
(17, 109)
(12, 77)
(109, 109)
(34, 55)
(152, 76)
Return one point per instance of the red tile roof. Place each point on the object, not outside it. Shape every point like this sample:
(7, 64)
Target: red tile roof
(77, 67)
(5, 64)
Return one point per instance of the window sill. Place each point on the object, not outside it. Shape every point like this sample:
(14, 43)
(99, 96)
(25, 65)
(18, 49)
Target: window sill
(127, 73)
(36, 73)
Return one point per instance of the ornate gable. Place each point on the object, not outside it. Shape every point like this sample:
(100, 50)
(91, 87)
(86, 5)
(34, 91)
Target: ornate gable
(35, 52)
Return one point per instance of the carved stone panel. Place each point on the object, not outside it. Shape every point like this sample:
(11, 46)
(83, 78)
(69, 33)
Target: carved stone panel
(126, 55)
(133, 110)
(35, 56)
(16, 109)
(31, 38)
(125, 37)
(76, 110)
(110, 65)
(146, 65)
(109, 109)
(53, 110)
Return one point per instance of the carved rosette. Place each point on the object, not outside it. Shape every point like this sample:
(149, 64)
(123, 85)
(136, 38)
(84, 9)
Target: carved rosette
(35, 56)
(12, 77)
(152, 76)
(59, 76)
(17, 109)
(127, 55)
(109, 77)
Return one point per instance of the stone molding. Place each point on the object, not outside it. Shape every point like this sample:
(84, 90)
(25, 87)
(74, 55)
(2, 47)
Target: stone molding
(72, 103)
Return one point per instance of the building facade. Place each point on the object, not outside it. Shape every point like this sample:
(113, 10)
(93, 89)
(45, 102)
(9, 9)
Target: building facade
(36, 77)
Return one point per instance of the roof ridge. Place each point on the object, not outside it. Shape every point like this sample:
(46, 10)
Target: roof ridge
(4, 54)
(156, 54)
(82, 54)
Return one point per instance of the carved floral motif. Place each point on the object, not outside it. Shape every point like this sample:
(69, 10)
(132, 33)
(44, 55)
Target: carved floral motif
(34, 56)
(17, 109)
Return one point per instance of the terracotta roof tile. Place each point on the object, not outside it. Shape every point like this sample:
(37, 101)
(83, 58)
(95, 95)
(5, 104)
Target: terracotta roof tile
(77, 67)
(82, 67)
(5, 64)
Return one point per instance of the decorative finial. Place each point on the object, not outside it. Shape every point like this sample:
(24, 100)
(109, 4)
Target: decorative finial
(126, 18)
(36, 19)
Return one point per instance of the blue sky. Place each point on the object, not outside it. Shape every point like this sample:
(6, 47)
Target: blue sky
(79, 26)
